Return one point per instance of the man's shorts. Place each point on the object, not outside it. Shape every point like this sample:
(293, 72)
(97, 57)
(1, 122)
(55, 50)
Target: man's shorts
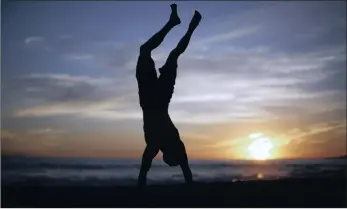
(146, 76)
(153, 89)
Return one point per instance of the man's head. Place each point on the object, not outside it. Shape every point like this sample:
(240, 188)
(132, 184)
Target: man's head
(171, 159)
(174, 153)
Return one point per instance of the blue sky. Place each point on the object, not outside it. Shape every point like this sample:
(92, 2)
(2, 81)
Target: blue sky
(274, 67)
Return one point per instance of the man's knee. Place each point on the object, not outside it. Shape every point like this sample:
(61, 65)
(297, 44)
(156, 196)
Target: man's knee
(150, 152)
(171, 61)
(145, 50)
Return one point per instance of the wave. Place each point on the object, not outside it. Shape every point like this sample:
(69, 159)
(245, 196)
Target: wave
(104, 172)
(96, 164)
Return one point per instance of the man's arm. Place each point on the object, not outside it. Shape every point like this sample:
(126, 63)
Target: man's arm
(147, 157)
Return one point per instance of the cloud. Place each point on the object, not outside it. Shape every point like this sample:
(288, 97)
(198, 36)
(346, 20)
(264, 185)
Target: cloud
(254, 84)
(7, 134)
(259, 77)
(45, 131)
(57, 87)
(105, 54)
(297, 136)
(251, 86)
(63, 108)
(67, 79)
(116, 56)
(226, 143)
(227, 36)
(113, 109)
(319, 140)
(33, 39)
(79, 57)
(322, 26)
(256, 80)
(323, 139)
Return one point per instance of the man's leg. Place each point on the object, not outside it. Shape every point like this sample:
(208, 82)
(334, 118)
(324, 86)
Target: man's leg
(147, 157)
(188, 176)
(158, 38)
(183, 43)
(167, 79)
(169, 70)
(145, 70)
(185, 167)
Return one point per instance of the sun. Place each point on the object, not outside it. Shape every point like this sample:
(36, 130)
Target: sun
(260, 148)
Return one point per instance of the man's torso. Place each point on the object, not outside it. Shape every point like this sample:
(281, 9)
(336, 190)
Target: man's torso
(158, 128)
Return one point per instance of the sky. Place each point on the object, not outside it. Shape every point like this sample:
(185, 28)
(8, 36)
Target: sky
(271, 69)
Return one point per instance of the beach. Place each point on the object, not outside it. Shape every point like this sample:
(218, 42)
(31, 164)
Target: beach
(54, 182)
(313, 192)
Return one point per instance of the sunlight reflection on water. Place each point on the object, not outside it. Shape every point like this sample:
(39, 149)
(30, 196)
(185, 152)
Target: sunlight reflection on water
(260, 176)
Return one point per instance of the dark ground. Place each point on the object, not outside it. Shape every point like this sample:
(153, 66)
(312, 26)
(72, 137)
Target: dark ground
(275, 193)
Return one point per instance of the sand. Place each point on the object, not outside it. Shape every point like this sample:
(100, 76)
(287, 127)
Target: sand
(263, 193)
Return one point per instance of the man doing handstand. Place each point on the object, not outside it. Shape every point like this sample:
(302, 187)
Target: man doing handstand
(155, 95)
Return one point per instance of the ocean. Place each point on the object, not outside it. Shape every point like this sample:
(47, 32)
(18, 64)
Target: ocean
(106, 172)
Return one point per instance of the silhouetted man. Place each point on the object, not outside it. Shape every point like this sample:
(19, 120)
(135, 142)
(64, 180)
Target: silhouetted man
(155, 95)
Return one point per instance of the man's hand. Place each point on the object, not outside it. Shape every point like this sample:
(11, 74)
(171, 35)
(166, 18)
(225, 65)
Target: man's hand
(141, 182)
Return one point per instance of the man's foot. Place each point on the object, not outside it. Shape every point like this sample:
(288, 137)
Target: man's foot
(195, 20)
(174, 19)
(189, 182)
(141, 180)
(141, 184)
